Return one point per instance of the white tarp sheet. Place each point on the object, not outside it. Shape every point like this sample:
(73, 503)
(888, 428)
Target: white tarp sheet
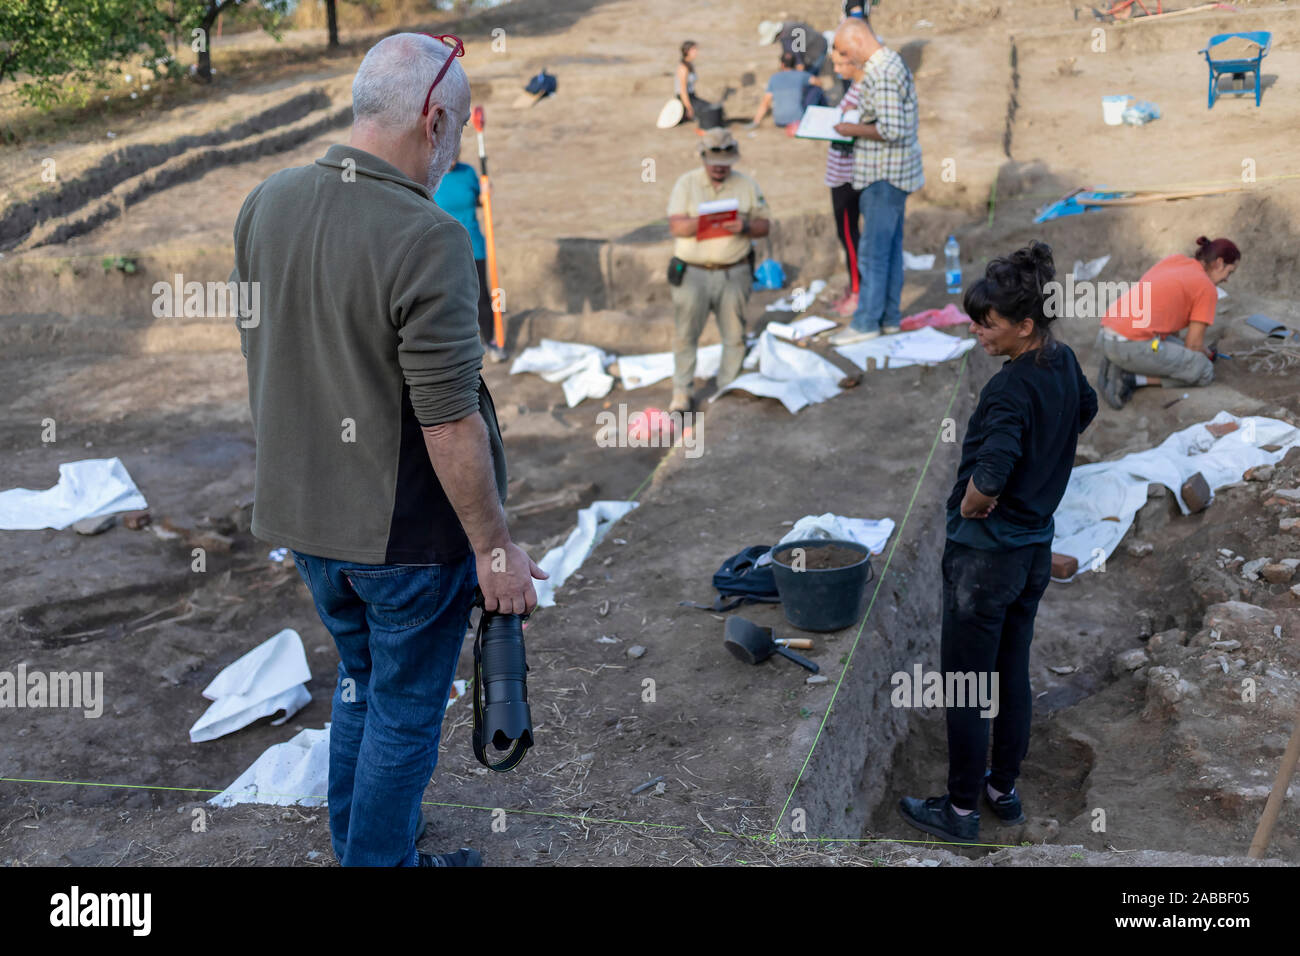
(797, 376)
(923, 346)
(267, 679)
(1102, 499)
(86, 489)
(593, 523)
(294, 773)
(638, 371)
(793, 375)
(579, 367)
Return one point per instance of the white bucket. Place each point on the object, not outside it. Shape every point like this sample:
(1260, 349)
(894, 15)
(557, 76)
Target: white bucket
(1112, 109)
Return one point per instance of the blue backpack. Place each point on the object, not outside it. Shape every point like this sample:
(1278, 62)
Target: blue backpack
(743, 580)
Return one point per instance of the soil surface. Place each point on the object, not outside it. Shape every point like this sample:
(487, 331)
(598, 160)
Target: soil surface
(1138, 672)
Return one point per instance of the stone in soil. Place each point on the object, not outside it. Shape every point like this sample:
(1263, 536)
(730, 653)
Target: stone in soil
(1139, 549)
(98, 525)
(1276, 573)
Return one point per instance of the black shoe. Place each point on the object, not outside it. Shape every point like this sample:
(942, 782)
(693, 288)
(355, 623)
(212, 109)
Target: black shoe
(936, 815)
(462, 857)
(1007, 807)
(1104, 371)
(1118, 387)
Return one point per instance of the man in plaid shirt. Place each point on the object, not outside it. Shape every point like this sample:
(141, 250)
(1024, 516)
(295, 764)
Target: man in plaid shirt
(886, 167)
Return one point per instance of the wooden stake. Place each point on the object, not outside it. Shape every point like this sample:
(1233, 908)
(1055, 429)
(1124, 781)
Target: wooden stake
(1276, 797)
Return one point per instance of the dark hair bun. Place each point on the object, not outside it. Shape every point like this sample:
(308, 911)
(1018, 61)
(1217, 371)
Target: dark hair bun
(1013, 286)
(1202, 240)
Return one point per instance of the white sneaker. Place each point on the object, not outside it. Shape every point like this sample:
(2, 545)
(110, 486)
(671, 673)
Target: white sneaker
(851, 336)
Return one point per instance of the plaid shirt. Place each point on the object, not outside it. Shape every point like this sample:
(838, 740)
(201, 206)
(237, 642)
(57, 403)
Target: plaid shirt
(888, 94)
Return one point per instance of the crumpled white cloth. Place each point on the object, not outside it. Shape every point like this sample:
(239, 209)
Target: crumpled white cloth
(579, 367)
(268, 678)
(294, 773)
(1118, 489)
(87, 489)
(594, 522)
(870, 533)
(1084, 271)
(918, 262)
(638, 371)
(799, 299)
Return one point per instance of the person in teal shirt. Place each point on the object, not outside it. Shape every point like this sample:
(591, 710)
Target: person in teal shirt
(459, 195)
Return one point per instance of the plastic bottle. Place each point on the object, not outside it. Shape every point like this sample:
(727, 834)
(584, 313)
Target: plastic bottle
(952, 265)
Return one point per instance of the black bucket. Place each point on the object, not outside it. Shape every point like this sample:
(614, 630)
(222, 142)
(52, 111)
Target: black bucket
(822, 599)
(709, 117)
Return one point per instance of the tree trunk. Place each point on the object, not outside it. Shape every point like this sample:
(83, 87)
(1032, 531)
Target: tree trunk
(332, 14)
(205, 55)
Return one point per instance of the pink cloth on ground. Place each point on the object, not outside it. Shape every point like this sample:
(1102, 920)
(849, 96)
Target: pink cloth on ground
(935, 318)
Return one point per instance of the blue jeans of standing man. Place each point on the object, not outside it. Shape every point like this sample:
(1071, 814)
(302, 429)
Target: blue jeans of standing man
(399, 630)
(880, 258)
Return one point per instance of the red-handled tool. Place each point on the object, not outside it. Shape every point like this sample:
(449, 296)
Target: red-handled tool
(485, 193)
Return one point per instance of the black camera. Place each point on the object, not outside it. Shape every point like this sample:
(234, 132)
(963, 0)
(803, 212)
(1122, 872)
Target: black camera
(501, 713)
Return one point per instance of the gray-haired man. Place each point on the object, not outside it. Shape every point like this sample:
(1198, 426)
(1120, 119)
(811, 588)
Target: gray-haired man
(379, 459)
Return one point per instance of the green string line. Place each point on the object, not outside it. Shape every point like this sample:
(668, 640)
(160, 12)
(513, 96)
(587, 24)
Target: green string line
(898, 536)
(535, 813)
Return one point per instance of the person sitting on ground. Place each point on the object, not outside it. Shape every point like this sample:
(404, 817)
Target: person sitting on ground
(459, 194)
(692, 104)
(1015, 463)
(718, 275)
(807, 45)
(1140, 341)
(785, 95)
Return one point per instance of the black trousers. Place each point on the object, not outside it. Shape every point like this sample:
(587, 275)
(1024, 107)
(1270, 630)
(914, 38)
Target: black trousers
(989, 602)
(486, 324)
(848, 226)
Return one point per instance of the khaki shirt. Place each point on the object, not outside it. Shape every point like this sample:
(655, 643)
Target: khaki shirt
(694, 188)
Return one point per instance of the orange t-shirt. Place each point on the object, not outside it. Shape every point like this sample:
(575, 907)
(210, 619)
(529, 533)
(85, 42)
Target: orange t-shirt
(1171, 294)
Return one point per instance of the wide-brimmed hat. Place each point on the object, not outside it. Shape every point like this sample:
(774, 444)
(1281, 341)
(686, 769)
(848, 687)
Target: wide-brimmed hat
(718, 147)
(768, 31)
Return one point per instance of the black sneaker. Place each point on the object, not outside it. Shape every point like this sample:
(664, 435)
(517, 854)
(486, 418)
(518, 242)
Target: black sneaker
(1007, 807)
(1118, 387)
(936, 815)
(462, 857)
(1104, 370)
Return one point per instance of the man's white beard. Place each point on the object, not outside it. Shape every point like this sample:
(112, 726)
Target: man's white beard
(441, 159)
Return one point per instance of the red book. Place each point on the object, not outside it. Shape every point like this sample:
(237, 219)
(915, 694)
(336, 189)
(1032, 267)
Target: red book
(712, 217)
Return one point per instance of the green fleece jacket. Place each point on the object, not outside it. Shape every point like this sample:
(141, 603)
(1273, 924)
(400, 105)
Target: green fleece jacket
(366, 329)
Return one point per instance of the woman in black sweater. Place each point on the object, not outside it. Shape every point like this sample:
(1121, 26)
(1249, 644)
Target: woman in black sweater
(1015, 464)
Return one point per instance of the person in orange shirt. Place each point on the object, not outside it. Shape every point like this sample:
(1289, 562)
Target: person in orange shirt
(1139, 339)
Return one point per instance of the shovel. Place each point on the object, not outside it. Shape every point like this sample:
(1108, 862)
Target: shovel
(753, 644)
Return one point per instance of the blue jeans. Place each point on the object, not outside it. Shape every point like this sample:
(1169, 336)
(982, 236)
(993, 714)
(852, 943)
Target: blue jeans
(399, 630)
(880, 257)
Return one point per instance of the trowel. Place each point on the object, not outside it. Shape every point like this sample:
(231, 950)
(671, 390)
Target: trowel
(753, 644)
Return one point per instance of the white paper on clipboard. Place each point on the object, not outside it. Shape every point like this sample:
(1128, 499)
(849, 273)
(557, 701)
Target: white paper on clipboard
(819, 122)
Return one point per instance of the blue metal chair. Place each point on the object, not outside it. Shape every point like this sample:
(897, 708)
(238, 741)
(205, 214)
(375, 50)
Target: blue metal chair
(1236, 67)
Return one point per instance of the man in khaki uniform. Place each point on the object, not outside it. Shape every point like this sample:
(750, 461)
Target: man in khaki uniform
(717, 276)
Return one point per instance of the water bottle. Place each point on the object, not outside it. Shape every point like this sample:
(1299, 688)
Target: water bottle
(952, 265)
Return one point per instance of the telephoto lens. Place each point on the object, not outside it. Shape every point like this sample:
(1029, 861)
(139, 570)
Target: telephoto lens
(501, 714)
